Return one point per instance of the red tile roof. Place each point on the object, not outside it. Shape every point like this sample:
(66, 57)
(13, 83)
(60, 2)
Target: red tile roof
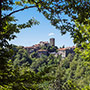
(42, 50)
(36, 45)
(62, 49)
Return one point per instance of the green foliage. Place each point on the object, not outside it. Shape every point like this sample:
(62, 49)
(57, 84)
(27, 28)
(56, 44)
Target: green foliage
(70, 86)
(52, 48)
(75, 20)
(74, 69)
(8, 28)
(20, 57)
(22, 78)
(44, 61)
(34, 55)
(82, 39)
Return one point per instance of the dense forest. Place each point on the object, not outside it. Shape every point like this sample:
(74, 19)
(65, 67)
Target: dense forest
(46, 72)
(21, 71)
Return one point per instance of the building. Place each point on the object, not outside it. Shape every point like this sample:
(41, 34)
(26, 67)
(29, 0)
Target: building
(44, 43)
(65, 51)
(29, 49)
(42, 52)
(52, 41)
(54, 53)
(62, 52)
(33, 48)
(37, 48)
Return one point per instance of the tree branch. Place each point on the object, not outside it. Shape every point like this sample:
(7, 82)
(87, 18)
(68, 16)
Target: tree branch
(18, 11)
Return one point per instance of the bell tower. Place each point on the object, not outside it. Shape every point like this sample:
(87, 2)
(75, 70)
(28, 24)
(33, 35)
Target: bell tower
(52, 41)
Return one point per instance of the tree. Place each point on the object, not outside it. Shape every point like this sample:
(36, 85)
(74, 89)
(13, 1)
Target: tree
(71, 16)
(34, 55)
(52, 10)
(77, 24)
(74, 70)
(21, 56)
(82, 39)
(52, 48)
(22, 78)
(8, 27)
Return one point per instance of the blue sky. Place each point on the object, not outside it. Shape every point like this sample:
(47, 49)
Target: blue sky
(42, 32)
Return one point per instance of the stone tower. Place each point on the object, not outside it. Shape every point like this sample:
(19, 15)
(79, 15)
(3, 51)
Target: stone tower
(52, 41)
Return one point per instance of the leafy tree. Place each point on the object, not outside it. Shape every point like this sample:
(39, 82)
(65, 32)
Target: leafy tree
(34, 55)
(44, 47)
(23, 78)
(52, 48)
(82, 38)
(52, 11)
(76, 21)
(78, 24)
(7, 29)
(21, 56)
(74, 70)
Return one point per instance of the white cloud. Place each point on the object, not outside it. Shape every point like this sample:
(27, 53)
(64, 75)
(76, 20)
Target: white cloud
(51, 34)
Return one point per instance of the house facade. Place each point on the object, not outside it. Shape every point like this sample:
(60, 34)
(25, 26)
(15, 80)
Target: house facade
(44, 43)
(65, 51)
(42, 52)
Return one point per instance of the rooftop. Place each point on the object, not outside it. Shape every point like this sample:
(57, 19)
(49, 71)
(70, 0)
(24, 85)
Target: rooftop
(29, 47)
(43, 42)
(62, 49)
(42, 50)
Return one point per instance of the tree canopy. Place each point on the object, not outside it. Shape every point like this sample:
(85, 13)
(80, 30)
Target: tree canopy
(76, 21)
(76, 17)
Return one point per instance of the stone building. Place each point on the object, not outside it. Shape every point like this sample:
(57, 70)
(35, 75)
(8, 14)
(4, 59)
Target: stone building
(29, 49)
(62, 52)
(54, 54)
(42, 52)
(44, 43)
(37, 47)
(33, 48)
(52, 41)
(65, 51)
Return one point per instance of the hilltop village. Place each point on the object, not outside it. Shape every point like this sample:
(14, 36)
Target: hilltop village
(46, 48)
